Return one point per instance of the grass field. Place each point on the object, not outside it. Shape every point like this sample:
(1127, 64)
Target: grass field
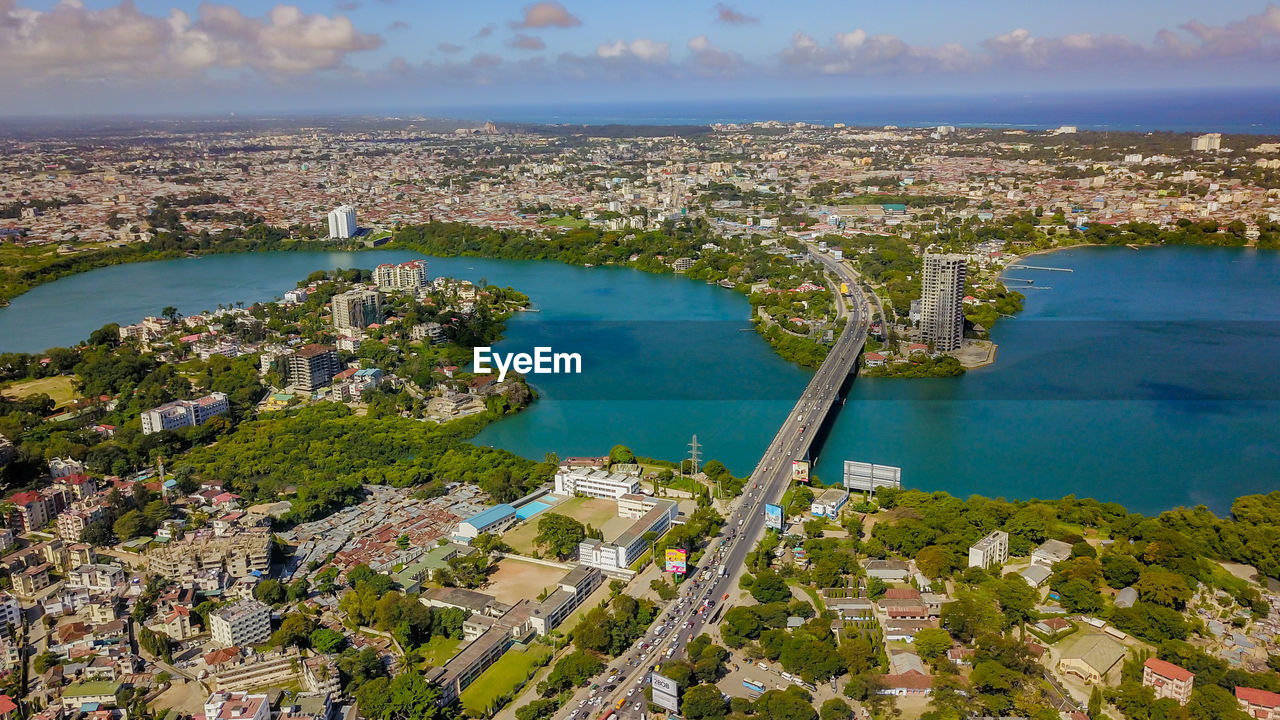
(568, 222)
(503, 678)
(440, 649)
(60, 388)
(595, 512)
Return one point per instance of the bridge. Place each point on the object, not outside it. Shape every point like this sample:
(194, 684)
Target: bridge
(726, 558)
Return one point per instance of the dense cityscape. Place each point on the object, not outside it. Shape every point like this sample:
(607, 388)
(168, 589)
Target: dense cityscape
(281, 507)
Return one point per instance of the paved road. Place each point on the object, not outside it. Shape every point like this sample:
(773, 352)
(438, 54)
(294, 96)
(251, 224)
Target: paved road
(725, 558)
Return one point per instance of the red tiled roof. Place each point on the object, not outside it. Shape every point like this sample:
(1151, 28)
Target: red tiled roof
(910, 680)
(904, 593)
(1261, 698)
(1168, 669)
(7, 705)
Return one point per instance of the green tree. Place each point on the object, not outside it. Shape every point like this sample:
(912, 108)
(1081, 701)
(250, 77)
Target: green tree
(325, 640)
(270, 592)
(836, 709)
(621, 454)
(703, 702)
(1017, 599)
(560, 534)
(932, 643)
(1159, 586)
(769, 587)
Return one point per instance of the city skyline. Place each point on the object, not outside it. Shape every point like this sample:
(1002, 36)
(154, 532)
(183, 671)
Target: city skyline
(353, 56)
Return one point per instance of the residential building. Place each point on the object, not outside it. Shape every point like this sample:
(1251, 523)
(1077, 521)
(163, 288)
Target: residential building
(991, 551)
(942, 306)
(1260, 704)
(342, 225)
(356, 309)
(176, 623)
(73, 521)
(184, 413)
(319, 675)
(31, 511)
(246, 622)
(65, 467)
(631, 543)
(1209, 142)
(1168, 680)
(32, 580)
(1036, 575)
(889, 570)
(494, 520)
(237, 706)
(96, 577)
(256, 670)
(312, 366)
(910, 683)
(411, 275)
(1050, 553)
(240, 554)
(6, 451)
(432, 332)
(594, 483)
(10, 614)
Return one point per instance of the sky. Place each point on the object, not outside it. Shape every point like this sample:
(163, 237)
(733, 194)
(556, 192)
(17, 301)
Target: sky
(100, 57)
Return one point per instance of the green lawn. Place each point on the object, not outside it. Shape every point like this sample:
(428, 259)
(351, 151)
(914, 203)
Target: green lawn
(59, 387)
(568, 222)
(440, 649)
(504, 678)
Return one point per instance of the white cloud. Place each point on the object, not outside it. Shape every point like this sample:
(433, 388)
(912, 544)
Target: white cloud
(643, 49)
(122, 42)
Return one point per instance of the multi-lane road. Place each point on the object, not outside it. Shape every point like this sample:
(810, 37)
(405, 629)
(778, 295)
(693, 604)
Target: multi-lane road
(725, 559)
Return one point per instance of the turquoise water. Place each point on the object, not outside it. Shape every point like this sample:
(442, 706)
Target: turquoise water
(528, 510)
(1145, 377)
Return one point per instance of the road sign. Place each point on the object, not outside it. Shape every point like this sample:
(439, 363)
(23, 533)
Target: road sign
(773, 517)
(677, 560)
(666, 693)
(800, 470)
(867, 477)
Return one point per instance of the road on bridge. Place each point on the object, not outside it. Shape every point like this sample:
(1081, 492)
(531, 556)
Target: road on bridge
(745, 525)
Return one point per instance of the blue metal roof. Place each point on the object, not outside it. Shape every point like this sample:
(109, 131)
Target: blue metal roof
(497, 513)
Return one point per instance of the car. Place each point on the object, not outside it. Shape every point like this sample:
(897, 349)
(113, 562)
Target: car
(582, 704)
(631, 692)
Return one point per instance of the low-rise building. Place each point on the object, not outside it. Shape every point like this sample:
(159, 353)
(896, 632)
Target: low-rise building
(237, 706)
(1050, 553)
(96, 577)
(889, 570)
(1094, 659)
(991, 551)
(184, 413)
(594, 483)
(829, 503)
(496, 519)
(618, 554)
(1260, 704)
(1168, 680)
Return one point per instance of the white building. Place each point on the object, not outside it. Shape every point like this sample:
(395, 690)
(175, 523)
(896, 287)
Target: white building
(184, 413)
(990, 551)
(942, 301)
(828, 504)
(631, 543)
(63, 467)
(595, 483)
(1050, 553)
(245, 622)
(10, 614)
(237, 706)
(405, 276)
(96, 578)
(1208, 142)
(342, 222)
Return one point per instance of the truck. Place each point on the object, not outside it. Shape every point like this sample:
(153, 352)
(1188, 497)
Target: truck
(723, 572)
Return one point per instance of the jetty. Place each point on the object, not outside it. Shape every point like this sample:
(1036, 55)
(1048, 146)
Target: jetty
(1038, 267)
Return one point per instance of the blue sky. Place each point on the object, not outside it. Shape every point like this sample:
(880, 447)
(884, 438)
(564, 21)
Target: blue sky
(106, 56)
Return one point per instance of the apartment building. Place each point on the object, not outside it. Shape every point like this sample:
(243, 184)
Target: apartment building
(1168, 680)
(411, 275)
(312, 366)
(30, 511)
(342, 222)
(1260, 704)
(942, 301)
(184, 413)
(237, 706)
(594, 483)
(73, 521)
(991, 551)
(245, 622)
(356, 309)
(96, 578)
(1209, 142)
(240, 554)
(10, 614)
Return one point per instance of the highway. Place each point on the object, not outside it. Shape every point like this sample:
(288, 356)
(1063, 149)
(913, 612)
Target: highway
(744, 526)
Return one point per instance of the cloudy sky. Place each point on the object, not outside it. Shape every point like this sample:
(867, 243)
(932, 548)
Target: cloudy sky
(168, 56)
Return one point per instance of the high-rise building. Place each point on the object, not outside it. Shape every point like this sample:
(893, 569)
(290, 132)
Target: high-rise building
(405, 276)
(244, 622)
(356, 309)
(342, 222)
(942, 302)
(1207, 142)
(312, 366)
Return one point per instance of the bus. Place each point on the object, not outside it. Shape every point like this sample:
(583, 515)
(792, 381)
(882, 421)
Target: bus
(608, 714)
(752, 685)
(621, 701)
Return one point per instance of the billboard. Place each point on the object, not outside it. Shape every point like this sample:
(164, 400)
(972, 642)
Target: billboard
(677, 560)
(666, 694)
(867, 477)
(773, 517)
(800, 470)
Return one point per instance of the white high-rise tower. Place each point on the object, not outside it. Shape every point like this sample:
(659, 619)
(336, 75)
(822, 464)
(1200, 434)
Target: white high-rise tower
(342, 222)
(942, 302)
